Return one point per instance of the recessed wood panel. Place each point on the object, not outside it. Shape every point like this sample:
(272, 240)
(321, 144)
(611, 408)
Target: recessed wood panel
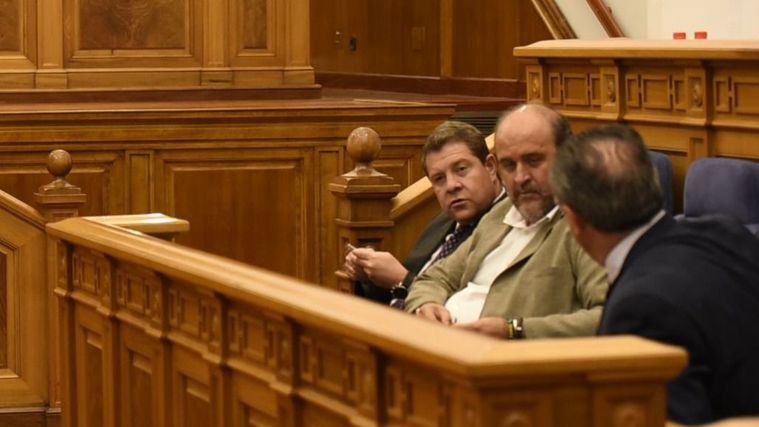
(655, 91)
(255, 25)
(746, 95)
(255, 403)
(89, 376)
(260, 205)
(576, 89)
(140, 379)
(10, 25)
(138, 24)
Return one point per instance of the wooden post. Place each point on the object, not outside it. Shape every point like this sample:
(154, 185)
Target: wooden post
(59, 199)
(364, 200)
(56, 201)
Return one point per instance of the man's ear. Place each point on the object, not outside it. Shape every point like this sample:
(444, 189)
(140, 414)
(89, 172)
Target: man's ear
(490, 164)
(576, 224)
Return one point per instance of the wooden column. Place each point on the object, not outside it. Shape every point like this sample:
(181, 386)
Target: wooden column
(363, 201)
(56, 201)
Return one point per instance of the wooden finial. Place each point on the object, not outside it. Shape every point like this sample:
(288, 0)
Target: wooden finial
(59, 165)
(59, 199)
(363, 147)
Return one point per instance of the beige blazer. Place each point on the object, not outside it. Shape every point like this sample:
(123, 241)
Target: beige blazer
(552, 284)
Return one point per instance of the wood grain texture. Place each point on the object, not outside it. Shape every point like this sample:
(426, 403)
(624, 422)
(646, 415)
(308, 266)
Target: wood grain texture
(10, 26)
(295, 354)
(141, 24)
(423, 39)
(250, 176)
(154, 44)
(255, 24)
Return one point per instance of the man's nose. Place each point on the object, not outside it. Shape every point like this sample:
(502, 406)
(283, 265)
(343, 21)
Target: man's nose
(453, 183)
(522, 173)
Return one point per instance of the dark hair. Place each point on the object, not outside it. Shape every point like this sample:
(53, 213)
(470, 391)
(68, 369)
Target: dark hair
(606, 176)
(455, 132)
(560, 126)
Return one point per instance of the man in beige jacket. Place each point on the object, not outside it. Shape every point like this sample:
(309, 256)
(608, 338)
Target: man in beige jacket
(521, 274)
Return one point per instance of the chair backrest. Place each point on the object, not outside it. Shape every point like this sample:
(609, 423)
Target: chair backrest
(663, 165)
(723, 186)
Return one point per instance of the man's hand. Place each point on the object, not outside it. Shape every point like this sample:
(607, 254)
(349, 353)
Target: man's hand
(436, 312)
(380, 267)
(492, 326)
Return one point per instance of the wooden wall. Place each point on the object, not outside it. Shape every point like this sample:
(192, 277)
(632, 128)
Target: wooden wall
(251, 177)
(688, 99)
(155, 334)
(458, 41)
(153, 43)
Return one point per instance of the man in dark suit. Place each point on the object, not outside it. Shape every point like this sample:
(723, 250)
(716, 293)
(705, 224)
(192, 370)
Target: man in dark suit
(694, 284)
(457, 163)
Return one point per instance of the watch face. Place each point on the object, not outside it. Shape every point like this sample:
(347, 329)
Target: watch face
(399, 292)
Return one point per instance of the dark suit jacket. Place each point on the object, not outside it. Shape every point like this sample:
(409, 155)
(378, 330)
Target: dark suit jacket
(430, 239)
(696, 284)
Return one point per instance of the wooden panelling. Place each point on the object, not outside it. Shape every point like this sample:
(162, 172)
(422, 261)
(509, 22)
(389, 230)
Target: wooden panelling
(245, 347)
(162, 43)
(112, 25)
(11, 25)
(4, 311)
(430, 38)
(686, 101)
(476, 53)
(250, 176)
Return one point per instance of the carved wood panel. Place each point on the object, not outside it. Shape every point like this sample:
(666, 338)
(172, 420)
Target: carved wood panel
(113, 25)
(131, 33)
(11, 25)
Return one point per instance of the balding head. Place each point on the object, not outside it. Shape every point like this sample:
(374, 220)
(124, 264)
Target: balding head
(526, 138)
(605, 175)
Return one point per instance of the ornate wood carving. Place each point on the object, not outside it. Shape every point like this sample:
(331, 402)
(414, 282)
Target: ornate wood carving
(688, 102)
(244, 347)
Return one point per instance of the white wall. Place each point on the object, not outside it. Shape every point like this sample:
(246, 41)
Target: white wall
(658, 19)
(722, 19)
(582, 19)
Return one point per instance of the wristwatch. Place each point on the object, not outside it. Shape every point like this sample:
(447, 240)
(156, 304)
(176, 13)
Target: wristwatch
(514, 329)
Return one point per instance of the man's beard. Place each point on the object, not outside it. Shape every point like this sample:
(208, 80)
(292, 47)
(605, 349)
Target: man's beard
(532, 212)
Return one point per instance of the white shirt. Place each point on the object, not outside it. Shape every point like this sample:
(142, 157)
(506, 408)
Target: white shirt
(466, 305)
(618, 254)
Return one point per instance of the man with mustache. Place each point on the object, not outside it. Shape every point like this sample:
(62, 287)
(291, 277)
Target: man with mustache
(455, 159)
(520, 274)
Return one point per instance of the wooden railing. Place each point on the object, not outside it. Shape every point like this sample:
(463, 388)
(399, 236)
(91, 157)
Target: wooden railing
(687, 98)
(154, 333)
(29, 347)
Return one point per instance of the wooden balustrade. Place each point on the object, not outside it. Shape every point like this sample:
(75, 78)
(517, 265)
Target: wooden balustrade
(154, 333)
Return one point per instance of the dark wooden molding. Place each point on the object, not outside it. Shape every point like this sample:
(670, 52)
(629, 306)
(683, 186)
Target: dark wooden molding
(603, 13)
(501, 88)
(555, 20)
(178, 94)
